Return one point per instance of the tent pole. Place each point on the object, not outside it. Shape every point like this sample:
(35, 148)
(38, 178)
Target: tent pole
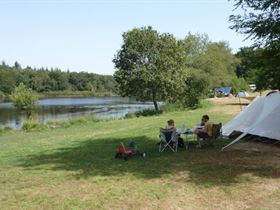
(235, 140)
(240, 103)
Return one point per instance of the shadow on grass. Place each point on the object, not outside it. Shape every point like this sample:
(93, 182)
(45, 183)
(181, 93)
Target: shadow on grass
(205, 167)
(238, 104)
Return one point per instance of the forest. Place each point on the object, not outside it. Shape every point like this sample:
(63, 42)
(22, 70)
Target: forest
(54, 81)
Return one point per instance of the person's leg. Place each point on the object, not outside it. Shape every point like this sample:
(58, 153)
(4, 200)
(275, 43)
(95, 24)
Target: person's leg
(173, 144)
(200, 137)
(181, 142)
(128, 153)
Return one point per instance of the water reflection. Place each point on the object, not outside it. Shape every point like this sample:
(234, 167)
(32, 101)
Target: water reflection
(63, 108)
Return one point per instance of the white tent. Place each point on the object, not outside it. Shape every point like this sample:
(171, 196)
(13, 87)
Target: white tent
(260, 118)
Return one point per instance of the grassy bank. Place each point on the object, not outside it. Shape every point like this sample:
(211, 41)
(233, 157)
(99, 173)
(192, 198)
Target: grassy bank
(74, 168)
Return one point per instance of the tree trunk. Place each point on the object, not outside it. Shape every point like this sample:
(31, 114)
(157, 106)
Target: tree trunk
(156, 105)
(154, 100)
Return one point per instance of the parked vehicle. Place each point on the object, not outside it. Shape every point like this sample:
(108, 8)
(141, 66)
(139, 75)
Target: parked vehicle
(253, 87)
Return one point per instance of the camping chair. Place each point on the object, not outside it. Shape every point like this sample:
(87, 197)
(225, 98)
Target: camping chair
(216, 133)
(168, 139)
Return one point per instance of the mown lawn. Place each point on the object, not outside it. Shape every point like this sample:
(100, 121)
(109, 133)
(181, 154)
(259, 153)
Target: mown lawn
(75, 168)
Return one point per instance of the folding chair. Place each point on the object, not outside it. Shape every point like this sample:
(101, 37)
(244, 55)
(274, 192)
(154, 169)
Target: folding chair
(216, 133)
(168, 139)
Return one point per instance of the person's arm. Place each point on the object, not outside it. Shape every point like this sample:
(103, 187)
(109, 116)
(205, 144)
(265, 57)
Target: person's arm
(204, 129)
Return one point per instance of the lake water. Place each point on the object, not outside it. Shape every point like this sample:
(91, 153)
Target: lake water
(64, 108)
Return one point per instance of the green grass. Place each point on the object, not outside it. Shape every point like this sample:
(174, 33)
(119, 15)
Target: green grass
(73, 167)
(6, 129)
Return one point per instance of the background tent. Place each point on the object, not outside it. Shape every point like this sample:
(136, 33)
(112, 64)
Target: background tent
(242, 94)
(245, 95)
(223, 90)
(260, 118)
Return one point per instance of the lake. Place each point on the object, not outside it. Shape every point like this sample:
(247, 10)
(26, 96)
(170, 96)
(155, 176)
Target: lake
(64, 108)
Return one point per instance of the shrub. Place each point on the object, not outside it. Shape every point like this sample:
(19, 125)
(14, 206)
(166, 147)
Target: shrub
(5, 129)
(196, 87)
(129, 115)
(23, 97)
(144, 113)
(169, 107)
(84, 119)
(31, 125)
(203, 104)
(148, 112)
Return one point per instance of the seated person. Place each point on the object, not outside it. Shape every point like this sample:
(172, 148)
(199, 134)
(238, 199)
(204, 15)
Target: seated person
(199, 126)
(170, 124)
(202, 123)
(204, 132)
(123, 152)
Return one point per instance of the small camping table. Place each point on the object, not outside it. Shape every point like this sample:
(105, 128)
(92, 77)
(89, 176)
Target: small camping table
(187, 132)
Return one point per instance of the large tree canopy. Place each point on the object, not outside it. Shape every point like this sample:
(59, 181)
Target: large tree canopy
(261, 22)
(218, 63)
(150, 66)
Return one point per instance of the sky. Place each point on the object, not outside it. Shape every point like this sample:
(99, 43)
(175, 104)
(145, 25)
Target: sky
(84, 35)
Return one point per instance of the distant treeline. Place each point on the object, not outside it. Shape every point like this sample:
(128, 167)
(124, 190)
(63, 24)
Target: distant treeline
(48, 81)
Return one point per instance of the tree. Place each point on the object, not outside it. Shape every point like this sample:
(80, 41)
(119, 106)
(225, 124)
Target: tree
(213, 59)
(43, 80)
(217, 63)
(261, 22)
(251, 63)
(60, 78)
(150, 66)
(3, 63)
(23, 97)
(17, 65)
(7, 80)
(196, 87)
(269, 77)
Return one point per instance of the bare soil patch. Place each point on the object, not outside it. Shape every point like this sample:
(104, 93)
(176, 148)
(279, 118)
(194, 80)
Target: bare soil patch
(228, 105)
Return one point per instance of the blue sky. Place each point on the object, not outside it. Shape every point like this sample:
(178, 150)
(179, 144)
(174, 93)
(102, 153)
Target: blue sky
(84, 35)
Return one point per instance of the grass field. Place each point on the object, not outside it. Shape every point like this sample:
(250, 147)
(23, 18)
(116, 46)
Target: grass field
(75, 168)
